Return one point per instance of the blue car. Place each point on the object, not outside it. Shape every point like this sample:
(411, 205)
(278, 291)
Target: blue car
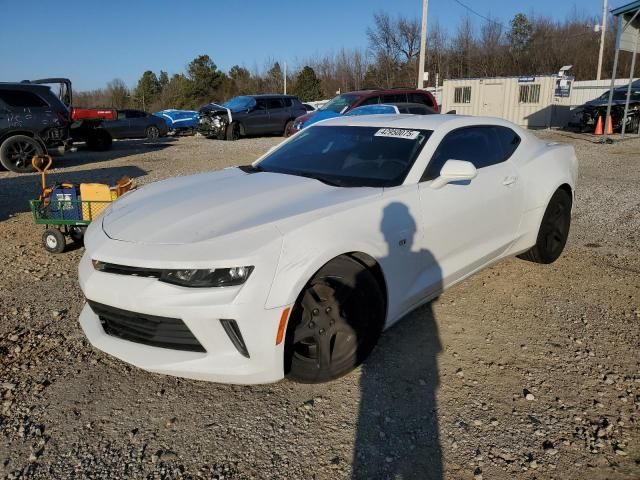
(179, 119)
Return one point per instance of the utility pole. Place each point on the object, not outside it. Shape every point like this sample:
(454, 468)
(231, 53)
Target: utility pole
(603, 31)
(423, 44)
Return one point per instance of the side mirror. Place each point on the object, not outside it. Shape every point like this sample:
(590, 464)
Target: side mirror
(455, 171)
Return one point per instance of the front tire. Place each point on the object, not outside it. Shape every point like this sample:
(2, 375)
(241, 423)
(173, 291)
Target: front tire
(335, 323)
(16, 153)
(554, 230)
(152, 132)
(233, 131)
(53, 241)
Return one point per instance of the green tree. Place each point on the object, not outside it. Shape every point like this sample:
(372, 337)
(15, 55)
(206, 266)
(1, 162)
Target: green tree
(117, 93)
(307, 85)
(148, 89)
(274, 82)
(163, 79)
(204, 78)
(520, 35)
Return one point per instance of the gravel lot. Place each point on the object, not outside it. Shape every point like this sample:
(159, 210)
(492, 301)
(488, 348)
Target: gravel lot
(522, 371)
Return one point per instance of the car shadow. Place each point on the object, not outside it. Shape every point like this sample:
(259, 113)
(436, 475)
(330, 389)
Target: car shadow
(119, 149)
(397, 433)
(16, 191)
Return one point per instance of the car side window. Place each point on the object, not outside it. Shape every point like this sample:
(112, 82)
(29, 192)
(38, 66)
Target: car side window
(274, 103)
(288, 102)
(261, 104)
(395, 98)
(21, 99)
(478, 145)
(370, 101)
(419, 98)
(122, 115)
(508, 139)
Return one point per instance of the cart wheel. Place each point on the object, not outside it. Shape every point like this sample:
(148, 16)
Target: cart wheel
(53, 241)
(77, 234)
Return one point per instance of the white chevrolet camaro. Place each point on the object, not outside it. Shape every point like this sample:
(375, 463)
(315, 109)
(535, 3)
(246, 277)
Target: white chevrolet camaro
(294, 265)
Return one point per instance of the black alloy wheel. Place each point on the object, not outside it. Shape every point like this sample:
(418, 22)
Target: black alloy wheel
(554, 230)
(336, 322)
(17, 152)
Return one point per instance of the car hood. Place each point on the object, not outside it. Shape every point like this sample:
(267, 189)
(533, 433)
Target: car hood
(209, 205)
(319, 115)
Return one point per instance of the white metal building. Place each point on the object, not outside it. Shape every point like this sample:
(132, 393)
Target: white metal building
(535, 101)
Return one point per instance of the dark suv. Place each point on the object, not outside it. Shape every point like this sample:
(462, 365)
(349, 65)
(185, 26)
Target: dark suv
(346, 102)
(32, 121)
(250, 115)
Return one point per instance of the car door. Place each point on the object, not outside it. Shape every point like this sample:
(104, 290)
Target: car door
(278, 115)
(119, 128)
(468, 224)
(138, 123)
(256, 122)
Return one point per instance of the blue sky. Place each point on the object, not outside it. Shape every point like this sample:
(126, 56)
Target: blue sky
(92, 42)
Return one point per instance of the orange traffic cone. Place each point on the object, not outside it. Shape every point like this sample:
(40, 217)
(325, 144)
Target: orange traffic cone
(610, 126)
(598, 130)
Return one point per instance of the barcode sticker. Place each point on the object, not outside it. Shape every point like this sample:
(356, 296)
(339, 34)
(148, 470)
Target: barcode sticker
(397, 133)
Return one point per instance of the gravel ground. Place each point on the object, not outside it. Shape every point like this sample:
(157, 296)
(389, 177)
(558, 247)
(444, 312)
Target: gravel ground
(522, 371)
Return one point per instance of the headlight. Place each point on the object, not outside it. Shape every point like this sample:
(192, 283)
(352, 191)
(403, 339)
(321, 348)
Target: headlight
(215, 277)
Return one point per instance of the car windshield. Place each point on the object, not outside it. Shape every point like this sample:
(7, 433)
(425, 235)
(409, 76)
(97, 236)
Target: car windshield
(349, 156)
(340, 103)
(238, 104)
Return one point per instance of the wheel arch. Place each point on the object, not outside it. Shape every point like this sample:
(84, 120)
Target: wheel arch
(281, 296)
(26, 133)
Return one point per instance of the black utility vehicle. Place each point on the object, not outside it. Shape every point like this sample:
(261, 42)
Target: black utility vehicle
(250, 115)
(32, 121)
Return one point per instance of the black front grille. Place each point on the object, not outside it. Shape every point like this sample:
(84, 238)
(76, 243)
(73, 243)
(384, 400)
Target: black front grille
(147, 329)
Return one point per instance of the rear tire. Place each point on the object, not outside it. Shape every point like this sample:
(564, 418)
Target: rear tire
(288, 126)
(554, 230)
(99, 140)
(335, 323)
(17, 151)
(53, 241)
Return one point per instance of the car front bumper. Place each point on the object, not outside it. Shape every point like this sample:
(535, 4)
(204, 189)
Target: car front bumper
(201, 310)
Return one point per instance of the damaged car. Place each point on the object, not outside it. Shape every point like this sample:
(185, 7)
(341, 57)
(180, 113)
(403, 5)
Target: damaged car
(586, 116)
(249, 115)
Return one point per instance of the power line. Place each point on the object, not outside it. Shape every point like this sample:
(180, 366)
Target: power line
(490, 20)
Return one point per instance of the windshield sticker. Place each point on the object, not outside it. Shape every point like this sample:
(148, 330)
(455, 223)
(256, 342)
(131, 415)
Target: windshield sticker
(397, 133)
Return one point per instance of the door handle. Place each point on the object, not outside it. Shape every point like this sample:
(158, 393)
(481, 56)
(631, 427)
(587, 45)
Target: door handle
(510, 180)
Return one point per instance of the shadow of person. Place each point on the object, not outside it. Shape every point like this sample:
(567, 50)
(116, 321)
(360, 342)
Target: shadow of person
(397, 433)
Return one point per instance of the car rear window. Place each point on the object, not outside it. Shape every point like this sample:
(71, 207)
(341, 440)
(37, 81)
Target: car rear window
(21, 99)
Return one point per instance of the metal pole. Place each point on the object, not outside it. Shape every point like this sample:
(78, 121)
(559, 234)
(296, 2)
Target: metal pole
(603, 30)
(615, 67)
(633, 67)
(423, 44)
(285, 78)
(613, 79)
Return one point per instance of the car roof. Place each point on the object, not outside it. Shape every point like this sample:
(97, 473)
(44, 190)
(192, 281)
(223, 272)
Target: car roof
(378, 91)
(24, 86)
(269, 95)
(421, 122)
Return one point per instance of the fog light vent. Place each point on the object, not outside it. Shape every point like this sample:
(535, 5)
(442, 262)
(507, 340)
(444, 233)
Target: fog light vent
(232, 329)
